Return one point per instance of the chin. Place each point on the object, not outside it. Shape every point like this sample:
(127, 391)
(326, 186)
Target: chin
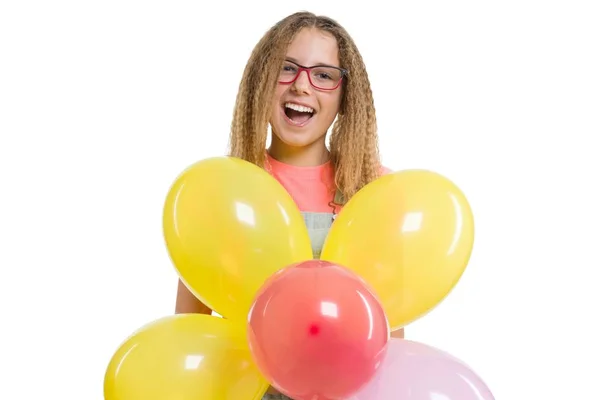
(297, 139)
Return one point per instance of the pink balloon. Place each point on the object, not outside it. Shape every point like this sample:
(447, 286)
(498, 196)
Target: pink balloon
(415, 371)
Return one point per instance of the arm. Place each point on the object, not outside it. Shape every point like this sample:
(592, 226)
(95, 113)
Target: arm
(398, 334)
(187, 303)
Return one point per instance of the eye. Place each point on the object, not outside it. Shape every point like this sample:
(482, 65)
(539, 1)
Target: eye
(288, 68)
(324, 75)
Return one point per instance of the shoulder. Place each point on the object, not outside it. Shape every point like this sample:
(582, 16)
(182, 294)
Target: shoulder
(384, 170)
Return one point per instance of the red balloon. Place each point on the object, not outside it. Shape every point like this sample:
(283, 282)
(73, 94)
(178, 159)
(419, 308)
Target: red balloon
(317, 331)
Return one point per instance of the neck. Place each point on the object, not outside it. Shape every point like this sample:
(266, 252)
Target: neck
(308, 156)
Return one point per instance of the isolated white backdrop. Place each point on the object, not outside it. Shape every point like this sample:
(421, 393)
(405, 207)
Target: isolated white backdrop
(103, 104)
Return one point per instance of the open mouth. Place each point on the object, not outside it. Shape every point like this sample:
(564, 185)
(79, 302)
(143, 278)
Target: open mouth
(297, 114)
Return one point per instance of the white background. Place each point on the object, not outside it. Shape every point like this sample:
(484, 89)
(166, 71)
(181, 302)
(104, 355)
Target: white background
(103, 104)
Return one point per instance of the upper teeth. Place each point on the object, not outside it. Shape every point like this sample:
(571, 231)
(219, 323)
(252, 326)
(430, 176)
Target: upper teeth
(300, 108)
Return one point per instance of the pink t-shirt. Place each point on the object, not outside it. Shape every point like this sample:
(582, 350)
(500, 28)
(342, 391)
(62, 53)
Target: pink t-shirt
(312, 188)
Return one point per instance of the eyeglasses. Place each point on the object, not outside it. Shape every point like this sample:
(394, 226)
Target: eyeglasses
(322, 77)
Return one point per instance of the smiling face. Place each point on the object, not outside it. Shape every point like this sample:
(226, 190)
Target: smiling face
(301, 113)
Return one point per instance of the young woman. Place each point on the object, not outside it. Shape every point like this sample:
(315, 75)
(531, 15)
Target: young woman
(303, 74)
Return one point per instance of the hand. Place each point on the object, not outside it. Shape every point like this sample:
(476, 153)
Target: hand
(398, 334)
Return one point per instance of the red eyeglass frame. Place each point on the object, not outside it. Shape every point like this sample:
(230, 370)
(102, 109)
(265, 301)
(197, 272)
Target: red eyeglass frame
(302, 68)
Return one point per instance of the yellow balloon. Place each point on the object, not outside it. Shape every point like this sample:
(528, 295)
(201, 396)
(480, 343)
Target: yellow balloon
(228, 226)
(409, 235)
(184, 357)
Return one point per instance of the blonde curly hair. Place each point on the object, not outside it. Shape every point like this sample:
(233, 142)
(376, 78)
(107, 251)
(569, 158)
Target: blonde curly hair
(353, 144)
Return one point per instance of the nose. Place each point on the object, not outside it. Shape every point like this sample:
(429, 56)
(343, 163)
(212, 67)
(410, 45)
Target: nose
(302, 83)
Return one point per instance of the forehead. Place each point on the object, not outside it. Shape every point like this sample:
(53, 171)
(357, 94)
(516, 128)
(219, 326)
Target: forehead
(314, 47)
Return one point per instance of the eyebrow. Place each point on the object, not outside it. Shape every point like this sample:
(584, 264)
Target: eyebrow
(292, 59)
